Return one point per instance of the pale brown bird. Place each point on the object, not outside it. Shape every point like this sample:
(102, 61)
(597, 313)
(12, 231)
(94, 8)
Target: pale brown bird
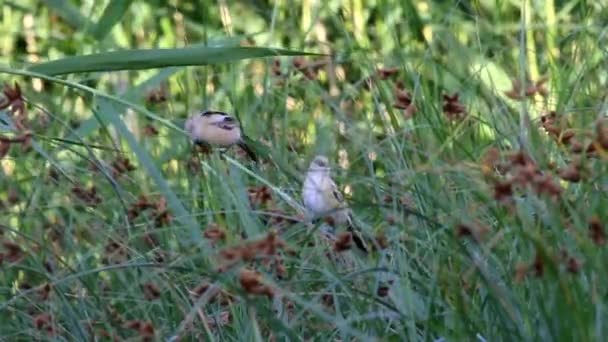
(322, 198)
(216, 128)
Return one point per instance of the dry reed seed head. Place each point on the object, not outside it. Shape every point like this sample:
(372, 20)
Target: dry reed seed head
(150, 131)
(475, 231)
(5, 147)
(251, 282)
(452, 107)
(222, 296)
(489, 161)
(158, 95)
(163, 218)
(278, 217)
(13, 196)
(544, 184)
(573, 265)
(231, 254)
(503, 191)
(88, 196)
(570, 174)
(151, 240)
(299, 62)
(566, 136)
(344, 242)
(404, 102)
(280, 268)
(43, 321)
(24, 286)
(601, 132)
(193, 165)
(276, 67)
(203, 149)
(538, 265)
(385, 73)
(13, 101)
(574, 171)
(520, 158)
(463, 230)
(382, 291)
(121, 165)
(144, 329)
(327, 299)
(403, 96)
(115, 253)
(44, 292)
(259, 195)
(160, 256)
(224, 319)
(50, 265)
(329, 220)
(538, 87)
(302, 65)
(596, 231)
(381, 240)
(214, 233)
(12, 252)
(521, 271)
(200, 289)
(151, 291)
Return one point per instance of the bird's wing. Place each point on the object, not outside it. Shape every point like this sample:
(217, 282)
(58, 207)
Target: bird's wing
(335, 195)
(226, 124)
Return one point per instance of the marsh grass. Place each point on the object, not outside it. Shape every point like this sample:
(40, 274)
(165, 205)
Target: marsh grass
(492, 209)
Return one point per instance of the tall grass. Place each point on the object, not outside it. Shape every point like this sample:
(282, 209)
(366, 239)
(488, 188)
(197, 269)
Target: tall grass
(491, 207)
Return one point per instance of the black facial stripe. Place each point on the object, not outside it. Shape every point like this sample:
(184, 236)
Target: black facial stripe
(211, 112)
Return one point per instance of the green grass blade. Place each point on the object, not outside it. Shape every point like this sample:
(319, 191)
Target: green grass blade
(90, 124)
(68, 12)
(156, 58)
(112, 14)
(110, 112)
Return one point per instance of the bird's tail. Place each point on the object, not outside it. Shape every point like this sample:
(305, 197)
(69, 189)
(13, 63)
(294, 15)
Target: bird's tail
(358, 238)
(242, 144)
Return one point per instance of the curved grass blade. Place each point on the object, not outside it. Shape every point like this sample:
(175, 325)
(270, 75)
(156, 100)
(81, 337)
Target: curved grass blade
(90, 124)
(156, 58)
(110, 17)
(68, 12)
(110, 112)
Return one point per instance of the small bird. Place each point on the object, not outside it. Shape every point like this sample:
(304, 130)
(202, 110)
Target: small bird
(216, 128)
(323, 198)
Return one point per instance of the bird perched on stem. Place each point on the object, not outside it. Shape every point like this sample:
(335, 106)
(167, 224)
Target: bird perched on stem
(216, 128)
(322, 198)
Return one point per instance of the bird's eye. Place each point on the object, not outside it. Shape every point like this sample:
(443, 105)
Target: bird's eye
(321, 163)
(229, 119)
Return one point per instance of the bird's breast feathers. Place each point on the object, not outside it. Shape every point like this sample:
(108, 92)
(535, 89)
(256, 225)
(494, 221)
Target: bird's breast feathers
(319, 194)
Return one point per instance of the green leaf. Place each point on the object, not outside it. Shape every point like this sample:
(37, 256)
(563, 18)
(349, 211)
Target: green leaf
(90, 124)
(110, 112)
(68, 12)
(156, 58)
(111, 16)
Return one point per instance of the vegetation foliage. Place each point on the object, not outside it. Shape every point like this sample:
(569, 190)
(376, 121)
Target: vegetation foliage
(468, 137)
